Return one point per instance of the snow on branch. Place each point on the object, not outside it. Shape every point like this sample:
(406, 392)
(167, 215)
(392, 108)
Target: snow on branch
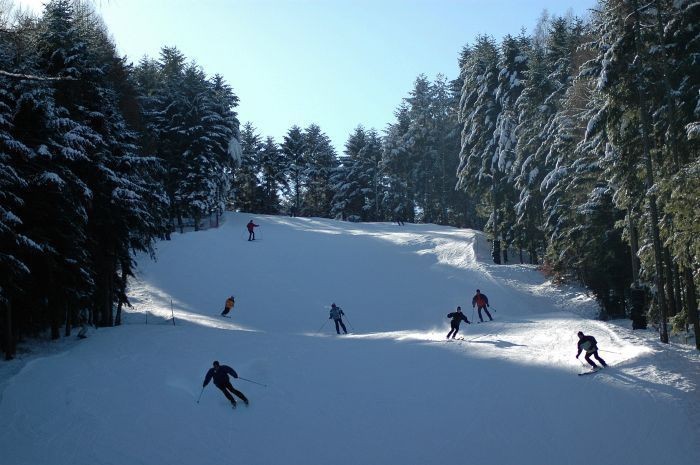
(35, 78)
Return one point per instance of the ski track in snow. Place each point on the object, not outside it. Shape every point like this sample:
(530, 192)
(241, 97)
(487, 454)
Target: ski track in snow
(392, 391)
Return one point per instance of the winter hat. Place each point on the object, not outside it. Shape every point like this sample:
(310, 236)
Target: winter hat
(459, 309)
(216, 363)
(580, 333)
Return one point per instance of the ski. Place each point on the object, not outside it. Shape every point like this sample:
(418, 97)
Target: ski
(589, 372)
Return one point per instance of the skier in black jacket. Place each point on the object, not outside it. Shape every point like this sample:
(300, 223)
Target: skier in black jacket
(220, 374)
(457, 318)
(590, 345)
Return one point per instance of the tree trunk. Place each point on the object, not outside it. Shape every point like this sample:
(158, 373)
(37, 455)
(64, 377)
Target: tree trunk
(673, 306)
(649, 181)
(634, 246)
(122, 295)
(69, 320)
(677, 287)
(9, 335)
(692, 304)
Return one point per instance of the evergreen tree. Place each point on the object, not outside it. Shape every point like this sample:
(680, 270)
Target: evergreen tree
(248, 191)
(396, 169)
(479, 112)
(348, 180)
(272, 178)
(294, 149)
(321, 160)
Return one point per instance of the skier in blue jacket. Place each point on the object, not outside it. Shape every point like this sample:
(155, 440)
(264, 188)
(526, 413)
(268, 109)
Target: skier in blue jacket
(220, 374)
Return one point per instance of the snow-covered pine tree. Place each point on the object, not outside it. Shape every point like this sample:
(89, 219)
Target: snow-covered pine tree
(272, 178)
(248, 189)
(396, 169)
(421, 148)
(224, 135)
(348, 180)
(321, 160)
(626, 78)
(370, 157)
(479, 110)
(511, 80)
(447, 202)
(294, 148)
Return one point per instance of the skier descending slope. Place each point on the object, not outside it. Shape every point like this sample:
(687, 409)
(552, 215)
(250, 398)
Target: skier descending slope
(481, 302)
(220, 375)
(457, 318)
(251, 230)
(590, 345)
(228, 306)
(336, 314)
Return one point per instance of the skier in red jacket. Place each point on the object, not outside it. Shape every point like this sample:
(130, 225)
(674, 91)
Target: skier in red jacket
(481, 302)
(251, 230)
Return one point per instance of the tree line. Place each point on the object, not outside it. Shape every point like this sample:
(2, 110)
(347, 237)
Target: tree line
(98, 160)
(584, 139)
(575, 146)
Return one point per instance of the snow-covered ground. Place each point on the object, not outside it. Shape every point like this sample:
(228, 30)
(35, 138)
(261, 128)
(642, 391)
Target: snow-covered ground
(392, 392)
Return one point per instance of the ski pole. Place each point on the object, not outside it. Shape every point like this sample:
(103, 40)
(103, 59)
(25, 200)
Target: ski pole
(351, 326)
(251, 381)
(609, 351)
(472, 313)
(200, 394)
(324, 324)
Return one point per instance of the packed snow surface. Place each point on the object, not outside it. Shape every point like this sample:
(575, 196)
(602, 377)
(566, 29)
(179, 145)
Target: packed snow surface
(391, 392)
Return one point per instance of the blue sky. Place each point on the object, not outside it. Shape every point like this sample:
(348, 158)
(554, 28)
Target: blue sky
(336, 63)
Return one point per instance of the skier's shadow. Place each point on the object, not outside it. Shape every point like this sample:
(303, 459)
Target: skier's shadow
(500, 343)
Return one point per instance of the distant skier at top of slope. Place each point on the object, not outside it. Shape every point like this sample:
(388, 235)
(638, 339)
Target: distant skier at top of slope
(228, 306)
(336, 315)
(457, 318)
(482, 302)
(220, 374)
(590, 345)
(251, 230)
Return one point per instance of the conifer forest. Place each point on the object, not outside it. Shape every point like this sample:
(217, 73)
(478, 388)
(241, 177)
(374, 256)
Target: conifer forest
(576, 147)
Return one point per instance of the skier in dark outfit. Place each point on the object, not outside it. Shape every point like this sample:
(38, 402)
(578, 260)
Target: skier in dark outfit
(336, 315)
(482, 302)
(457, 318)
(590, 345)
(220, 374)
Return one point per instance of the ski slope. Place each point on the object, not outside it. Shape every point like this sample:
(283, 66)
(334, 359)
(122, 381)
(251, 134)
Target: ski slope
(391, 392)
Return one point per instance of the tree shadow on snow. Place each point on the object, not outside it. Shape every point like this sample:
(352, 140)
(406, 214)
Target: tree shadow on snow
(500, 343)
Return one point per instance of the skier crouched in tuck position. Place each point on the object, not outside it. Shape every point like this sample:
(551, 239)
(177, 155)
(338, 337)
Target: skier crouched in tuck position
(481, 301)
(337, 316)
(220, 375)
(228, 306)
(457, 318)
(590, 345)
